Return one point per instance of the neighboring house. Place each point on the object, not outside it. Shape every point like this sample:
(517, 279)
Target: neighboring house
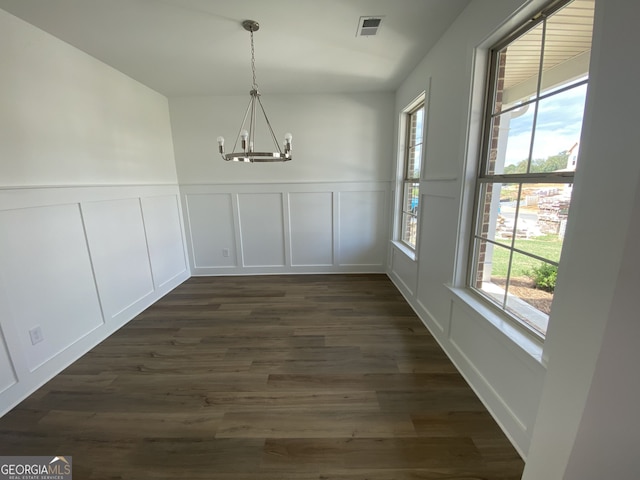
(573, 157)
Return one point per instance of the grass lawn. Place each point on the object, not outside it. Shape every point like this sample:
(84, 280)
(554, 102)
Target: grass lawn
(547, 246)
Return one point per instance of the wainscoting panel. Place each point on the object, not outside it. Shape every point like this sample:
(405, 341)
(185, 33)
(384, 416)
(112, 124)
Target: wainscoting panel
(436, 249)
(210, 223)
(7, 373)
(363, 228)
(48, 278)
(8, 376)
(75, 265)
(119, 253)
(508, 379)
(164, 237)
(287, 227)
(403, 270)
(312, 238)
(261, 229)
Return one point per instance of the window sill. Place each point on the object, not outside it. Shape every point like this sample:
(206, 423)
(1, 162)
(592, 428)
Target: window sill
(411, 254)
(529, 345)
(535, 318)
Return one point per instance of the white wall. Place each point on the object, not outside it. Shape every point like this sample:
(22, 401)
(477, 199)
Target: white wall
(68, 119)
(609, 426)
(537, 392)
(336, 138)
(325, 211)
(90, 221)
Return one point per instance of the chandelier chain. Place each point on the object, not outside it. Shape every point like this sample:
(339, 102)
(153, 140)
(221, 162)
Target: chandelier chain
(253, 63)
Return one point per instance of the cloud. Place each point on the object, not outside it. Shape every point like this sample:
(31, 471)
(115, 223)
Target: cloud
(558, 126)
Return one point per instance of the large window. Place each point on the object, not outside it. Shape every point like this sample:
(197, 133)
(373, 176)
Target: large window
(535, 103)
(412, 158)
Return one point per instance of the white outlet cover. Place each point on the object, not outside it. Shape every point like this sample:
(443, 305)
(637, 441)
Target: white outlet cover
(36, 335)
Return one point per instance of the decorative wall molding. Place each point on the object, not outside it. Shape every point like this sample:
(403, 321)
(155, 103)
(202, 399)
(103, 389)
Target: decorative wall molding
(287, 228)
(93, 257)
(439, 178)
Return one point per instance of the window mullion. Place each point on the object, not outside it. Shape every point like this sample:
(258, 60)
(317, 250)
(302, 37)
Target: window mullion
(536, 106)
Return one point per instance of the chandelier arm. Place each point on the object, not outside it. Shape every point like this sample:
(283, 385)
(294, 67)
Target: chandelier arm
(253, 124)
(273, 136)
(244, 120)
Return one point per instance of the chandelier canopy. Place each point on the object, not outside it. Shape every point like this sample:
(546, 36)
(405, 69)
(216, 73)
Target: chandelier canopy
(246, 136)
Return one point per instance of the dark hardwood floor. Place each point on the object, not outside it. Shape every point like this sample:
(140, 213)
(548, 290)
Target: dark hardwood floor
(272, 378)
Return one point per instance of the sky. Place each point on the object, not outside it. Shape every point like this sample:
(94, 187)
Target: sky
(558, 126)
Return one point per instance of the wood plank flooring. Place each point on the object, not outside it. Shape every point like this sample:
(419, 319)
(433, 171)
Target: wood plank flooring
(272, 378)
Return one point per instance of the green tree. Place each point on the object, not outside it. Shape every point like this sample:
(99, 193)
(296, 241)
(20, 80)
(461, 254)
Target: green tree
(552, 163)
(549, 164)
(520, 167)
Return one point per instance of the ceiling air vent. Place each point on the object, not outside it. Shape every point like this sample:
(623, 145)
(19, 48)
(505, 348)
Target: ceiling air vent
(368, 26)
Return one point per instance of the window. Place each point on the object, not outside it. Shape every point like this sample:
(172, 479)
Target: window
(412, 158)
(536, 94)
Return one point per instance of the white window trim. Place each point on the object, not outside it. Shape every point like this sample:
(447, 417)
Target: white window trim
(405, 249)
(422, 98)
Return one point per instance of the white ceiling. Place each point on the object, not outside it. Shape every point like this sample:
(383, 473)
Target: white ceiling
(198, 47)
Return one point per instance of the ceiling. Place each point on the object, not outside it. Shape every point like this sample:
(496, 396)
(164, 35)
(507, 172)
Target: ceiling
(198, 47)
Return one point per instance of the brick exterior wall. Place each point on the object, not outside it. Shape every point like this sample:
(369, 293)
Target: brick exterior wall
(491, 165)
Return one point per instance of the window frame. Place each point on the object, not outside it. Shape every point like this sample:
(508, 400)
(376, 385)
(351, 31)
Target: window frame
(406, 181)
(482, 177)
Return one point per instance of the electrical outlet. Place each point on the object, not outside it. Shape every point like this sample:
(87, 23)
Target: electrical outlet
(225, 252)
(36, 335)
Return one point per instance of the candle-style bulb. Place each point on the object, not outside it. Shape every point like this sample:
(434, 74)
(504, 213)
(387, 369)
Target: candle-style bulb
(244, 135)
(287, 142)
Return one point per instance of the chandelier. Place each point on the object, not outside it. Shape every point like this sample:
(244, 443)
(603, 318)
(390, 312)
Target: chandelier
(246, 137)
